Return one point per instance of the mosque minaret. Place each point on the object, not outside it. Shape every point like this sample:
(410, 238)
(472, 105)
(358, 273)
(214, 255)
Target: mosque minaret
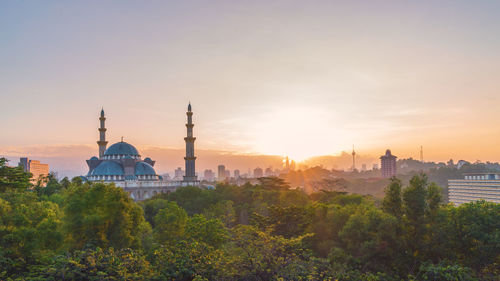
(190, 176)
(102, 135)
(122, 165)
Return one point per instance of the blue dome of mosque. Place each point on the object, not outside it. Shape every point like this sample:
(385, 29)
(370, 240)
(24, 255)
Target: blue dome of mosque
(108, 168)
(94, 158)
(143, 168)
(121, 148)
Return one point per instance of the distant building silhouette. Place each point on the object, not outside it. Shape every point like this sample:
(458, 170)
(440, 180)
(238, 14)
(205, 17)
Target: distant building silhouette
(258, 173)
(221, 172)
(363, 167)
(178, 174)
(236, 174)
(209, 175)
(388, 164)
(269, 172)
(353, 159)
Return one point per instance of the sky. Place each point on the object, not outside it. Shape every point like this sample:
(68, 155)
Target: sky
(297, 78)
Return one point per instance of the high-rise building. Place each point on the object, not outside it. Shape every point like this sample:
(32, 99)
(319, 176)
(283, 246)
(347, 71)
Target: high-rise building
(388, 164)
(475, 186)
(190, 176)
(363, 167)
(221, 172)
(208, 175)
(236, 173)
(257, 173)
(178, 174)
(228, 174)
(269, 172)
(34, 167)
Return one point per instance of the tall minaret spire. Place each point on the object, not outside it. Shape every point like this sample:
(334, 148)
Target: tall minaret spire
(102, 135)
(190, 158)
(353, 158)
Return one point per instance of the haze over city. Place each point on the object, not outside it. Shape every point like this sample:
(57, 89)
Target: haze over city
(266, 80)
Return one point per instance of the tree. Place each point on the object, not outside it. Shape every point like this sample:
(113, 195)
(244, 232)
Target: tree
(261, 256)
(102, 215)
(191, 261)
(48, 185)
(29, 231)
(370, 238)
(288, 222)
(192, 199)
(170, 223)
(152, 207)
(13, 177)
(223, 211)
(443, 272)
(392, 203)
(95, 264)
(209, 231)
(474, 230)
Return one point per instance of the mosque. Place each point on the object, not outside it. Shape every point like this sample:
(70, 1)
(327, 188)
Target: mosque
(122, 165)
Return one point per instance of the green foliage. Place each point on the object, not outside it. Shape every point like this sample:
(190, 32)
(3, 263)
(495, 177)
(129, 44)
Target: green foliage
(260, 255)
(104, 216)
(370, 238)
(224, 211)
(152, 207)
(444, 272)
(95, 264)
(170, 223)
(29, 230)
(291, 221)
(474, 230)
(392, 203)
(13, 177)
(48, 185)
(192, 199)
(189, 261)
(209, 231)
(71, 230)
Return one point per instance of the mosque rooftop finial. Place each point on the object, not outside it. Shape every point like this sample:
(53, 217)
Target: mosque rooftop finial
(189, 106)
(102, 111)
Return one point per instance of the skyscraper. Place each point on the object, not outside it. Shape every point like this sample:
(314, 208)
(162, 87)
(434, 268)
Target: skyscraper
(388, 164)
(208, 175)
(178, 173)
(258, 173)
(190, 176)
(236, 173)
(221, 173)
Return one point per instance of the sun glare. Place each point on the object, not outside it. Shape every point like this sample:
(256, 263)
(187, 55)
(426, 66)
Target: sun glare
(296, 132)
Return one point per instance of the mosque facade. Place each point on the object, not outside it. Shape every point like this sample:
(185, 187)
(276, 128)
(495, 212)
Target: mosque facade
(122, 165)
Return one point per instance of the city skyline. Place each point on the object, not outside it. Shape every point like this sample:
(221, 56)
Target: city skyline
(281, 79)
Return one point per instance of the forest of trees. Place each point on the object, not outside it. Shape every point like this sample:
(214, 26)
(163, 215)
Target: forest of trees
(74, 230)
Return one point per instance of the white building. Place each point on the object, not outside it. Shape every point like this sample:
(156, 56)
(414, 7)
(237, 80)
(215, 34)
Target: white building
(475, 186)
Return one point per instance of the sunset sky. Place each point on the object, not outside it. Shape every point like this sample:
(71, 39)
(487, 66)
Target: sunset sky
(298, 78)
